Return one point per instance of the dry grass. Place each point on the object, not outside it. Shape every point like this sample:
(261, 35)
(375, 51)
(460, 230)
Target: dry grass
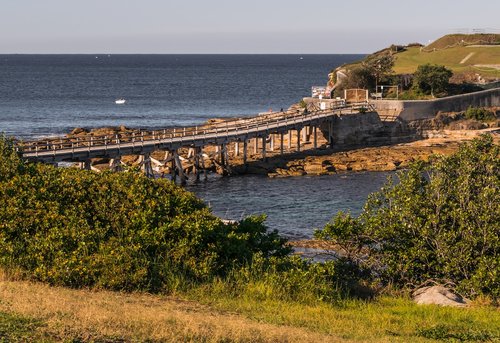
(69, 314)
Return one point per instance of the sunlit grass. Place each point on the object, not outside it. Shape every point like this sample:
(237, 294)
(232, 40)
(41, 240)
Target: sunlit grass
(37, 312)
(409, 60)
(383, 319)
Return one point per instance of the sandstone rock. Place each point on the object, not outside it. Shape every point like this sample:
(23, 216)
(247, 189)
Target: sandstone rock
(104, 131)
(438, 295)
(342, 167)
(78, 130)
(313, 167)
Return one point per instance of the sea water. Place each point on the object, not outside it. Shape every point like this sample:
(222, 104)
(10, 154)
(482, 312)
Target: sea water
(47, 95)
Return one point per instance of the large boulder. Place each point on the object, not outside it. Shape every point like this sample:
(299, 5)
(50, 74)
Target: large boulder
(438, 295)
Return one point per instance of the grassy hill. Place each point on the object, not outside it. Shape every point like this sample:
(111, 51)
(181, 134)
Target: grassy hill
(454, 40)
(466, 55)
(463, 54)
(483, 60)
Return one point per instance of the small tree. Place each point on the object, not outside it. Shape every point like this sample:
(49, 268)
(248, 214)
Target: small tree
(379, 66)
(431, 78)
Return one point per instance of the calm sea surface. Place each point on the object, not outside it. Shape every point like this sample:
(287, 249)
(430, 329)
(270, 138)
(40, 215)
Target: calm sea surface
(51, 94)
(45, 95)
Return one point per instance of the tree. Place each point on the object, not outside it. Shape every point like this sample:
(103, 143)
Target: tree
(440, 221)
(431, 78)
(379, 66)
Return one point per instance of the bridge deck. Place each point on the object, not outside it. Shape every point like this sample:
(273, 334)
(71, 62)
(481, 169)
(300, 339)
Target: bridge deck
(79, 149)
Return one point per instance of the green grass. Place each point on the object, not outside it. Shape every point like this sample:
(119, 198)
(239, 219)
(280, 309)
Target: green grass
(408, 61)
(14, 328)
(463, 39)
(384, 319)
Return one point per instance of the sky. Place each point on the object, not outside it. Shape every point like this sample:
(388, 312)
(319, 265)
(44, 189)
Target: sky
(233, 26)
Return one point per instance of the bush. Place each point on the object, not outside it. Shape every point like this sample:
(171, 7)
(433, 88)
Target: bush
(432, 78)
(120, 231)
(440, 221)
(479, 113)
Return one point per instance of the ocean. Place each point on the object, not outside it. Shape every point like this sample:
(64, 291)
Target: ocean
(43, 95)
(49, 95)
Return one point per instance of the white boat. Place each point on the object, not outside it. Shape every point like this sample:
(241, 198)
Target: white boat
(120, 101)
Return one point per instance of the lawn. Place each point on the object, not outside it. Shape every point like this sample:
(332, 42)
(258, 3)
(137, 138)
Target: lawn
(409, 60)
(37, 312)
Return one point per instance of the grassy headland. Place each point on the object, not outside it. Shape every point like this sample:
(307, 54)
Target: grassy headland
(467, 62)
(483, 60)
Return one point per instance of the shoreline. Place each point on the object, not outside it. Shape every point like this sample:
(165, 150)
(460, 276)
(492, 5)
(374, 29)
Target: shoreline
(366, 159)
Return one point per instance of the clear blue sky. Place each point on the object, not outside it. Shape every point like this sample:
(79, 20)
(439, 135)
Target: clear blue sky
(232, 26)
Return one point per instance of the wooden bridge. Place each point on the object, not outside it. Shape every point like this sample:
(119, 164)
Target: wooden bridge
(262, 128)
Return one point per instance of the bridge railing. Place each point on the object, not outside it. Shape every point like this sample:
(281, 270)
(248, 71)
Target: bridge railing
(184, 133)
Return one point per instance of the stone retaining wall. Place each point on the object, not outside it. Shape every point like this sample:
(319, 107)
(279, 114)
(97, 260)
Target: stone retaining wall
(409, 110)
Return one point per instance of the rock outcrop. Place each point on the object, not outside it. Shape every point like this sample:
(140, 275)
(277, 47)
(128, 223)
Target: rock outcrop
(438, 295)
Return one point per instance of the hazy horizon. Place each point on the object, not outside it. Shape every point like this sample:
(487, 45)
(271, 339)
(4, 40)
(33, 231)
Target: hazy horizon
(228, 27)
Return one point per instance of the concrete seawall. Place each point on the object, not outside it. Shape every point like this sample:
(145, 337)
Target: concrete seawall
(409, 110)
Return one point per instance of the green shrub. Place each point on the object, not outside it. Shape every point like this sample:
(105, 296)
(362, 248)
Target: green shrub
(431, 78)
(289, 278)
(119, 231)
(479, 113)
(440, 221)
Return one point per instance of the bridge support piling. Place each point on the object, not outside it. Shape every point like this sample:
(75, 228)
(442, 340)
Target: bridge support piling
(180, 170)
(146, 167)
(255, 145)
(298, 140)
(173, 172)
(197, 156)
(225, 152)
(245, 148)
(202, 156)
(264, 148)
(304, 134)
(289, 140)
(222, 155)
(271, 142)
(115, 164)
(315, 136)
(330, 133)
(236, 149)
(86, 165)
(281, 143)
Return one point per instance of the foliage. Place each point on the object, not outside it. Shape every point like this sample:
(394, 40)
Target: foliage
(441, 221)
(120, 231)
(15, 328)
(430, 79)
(11, 164)
(287, 279)
(359, 77)
(370, 72)
(479, 113)
(448, 332)
(379, 66)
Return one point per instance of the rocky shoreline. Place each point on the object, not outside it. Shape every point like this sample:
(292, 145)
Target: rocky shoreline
(439, 135)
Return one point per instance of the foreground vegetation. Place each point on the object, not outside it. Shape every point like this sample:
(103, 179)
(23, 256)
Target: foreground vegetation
(63, 314)
(102, 233)
(440, 221)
